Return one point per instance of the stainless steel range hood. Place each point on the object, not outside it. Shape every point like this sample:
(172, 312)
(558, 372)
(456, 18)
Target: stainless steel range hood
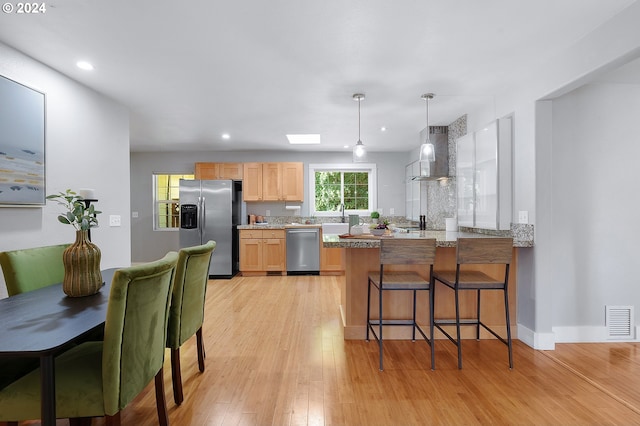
(438, 169)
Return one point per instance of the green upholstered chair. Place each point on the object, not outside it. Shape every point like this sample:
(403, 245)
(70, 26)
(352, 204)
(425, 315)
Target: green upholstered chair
(101, 378)
(187, 307)
(26, 270)
(33, 268)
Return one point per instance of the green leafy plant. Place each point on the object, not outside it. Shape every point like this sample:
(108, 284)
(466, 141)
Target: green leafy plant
(375, 215)
(78, 214)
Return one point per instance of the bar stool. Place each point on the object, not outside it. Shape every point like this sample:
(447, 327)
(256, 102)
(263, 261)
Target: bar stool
(477, 251)
(401, 252)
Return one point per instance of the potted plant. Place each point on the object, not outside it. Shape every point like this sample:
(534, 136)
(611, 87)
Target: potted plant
(81, 259)
(375, 216)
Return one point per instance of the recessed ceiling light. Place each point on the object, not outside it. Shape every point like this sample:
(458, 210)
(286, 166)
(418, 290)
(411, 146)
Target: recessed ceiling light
(383, 129)
(226, 136)
(309, 139)
(346, 147)
(84, 65)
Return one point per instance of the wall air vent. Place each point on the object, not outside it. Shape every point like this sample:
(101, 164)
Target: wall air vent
(620, 322)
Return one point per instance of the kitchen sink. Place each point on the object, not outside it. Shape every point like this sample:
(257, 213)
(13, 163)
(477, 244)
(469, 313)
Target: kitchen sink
(335, 228)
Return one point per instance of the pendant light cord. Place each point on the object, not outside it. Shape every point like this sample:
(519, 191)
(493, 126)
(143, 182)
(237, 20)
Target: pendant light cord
(359, 99)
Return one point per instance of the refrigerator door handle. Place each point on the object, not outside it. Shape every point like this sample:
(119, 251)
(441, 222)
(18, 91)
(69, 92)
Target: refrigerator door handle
(202, 216)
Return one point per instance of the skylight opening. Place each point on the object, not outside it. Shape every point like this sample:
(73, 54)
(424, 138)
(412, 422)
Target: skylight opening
(308, 139)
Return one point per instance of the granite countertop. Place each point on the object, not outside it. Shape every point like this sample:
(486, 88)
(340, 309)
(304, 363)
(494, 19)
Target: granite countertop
(443, 239)
(280, 226)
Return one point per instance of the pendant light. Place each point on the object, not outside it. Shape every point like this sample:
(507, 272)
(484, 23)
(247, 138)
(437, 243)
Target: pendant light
(359, 151)
(427, 150)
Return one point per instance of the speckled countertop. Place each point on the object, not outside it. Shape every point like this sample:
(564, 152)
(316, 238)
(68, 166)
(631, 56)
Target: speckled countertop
(522, 235)
(279, 226)
(443, 239)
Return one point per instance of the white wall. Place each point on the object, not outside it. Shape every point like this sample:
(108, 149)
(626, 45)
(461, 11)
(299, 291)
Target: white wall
(607, 47)
(594, 194)
(146, 243)
(87, 146)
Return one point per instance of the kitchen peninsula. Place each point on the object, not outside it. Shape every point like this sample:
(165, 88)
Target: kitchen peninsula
(362, 256)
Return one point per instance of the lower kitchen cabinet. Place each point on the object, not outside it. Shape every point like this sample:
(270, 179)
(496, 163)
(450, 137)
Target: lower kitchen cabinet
(262, 251)
(331, 260)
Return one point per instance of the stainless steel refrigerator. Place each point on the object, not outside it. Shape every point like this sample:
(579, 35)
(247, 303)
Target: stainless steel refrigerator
(212, 210)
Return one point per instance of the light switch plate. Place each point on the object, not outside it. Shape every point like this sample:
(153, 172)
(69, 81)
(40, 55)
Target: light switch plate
(114, 220)
(392, 211)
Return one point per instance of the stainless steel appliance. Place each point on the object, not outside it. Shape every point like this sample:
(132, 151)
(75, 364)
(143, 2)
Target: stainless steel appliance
(212, 210)
(303, 251)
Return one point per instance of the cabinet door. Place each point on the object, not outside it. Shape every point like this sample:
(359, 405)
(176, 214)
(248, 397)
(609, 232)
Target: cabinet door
(292, 182)
(416, 206)
(252, 182)
(486, 177)
(465, 158)
(274, 255)
(251, 254)
(271, 181)
(232, 171)
(206, 171)
(332, 259)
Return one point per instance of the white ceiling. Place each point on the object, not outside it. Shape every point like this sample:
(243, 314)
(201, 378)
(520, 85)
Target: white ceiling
(256, 69)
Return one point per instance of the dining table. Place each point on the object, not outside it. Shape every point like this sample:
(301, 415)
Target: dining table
(44, 323)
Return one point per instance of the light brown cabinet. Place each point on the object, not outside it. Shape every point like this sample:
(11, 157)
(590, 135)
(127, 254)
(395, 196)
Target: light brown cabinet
(273, 182)
(232, 171)
(262, 251)
(331, 260)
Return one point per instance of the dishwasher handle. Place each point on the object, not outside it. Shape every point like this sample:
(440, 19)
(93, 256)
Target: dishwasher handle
(302, 231)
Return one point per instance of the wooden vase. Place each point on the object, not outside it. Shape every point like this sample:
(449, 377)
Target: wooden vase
(81, 260)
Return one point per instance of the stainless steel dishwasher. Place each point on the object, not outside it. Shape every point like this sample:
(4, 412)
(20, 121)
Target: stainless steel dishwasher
(303, 251)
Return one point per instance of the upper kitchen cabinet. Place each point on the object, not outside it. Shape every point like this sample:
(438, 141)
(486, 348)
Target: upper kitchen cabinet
(483, 172)
(233, 171)
(273, 182)
(252, 182)
(415, 204)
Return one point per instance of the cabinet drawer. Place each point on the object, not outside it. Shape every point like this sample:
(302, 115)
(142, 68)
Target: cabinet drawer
(250, 233)
(273, 233)
(262, 233)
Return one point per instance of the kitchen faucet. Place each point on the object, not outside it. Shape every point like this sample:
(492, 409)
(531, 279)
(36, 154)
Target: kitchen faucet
(342, 210)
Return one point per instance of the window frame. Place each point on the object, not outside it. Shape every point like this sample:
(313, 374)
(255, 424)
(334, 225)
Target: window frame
(157, 202)
(371, 168)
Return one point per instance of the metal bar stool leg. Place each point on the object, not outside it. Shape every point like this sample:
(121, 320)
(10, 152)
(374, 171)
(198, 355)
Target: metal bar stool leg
(368, 308)
(458, 328)
(432, 341)
(380, 323)
(413, 330)
(478, 316)
(508, 322)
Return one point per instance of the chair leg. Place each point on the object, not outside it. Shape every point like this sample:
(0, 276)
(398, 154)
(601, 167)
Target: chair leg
(459, 343)
(200, 346)
(478, 316)
(161, 403)
(413, 330)
(432, 341)
(380, 324)
(368, 308)
(112, 420)
(176, 376)
(508, 322)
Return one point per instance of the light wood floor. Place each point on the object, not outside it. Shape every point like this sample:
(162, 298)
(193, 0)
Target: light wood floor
(276, 356)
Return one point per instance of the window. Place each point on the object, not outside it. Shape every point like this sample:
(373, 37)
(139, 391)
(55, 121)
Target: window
(166, 214)
(334, 185)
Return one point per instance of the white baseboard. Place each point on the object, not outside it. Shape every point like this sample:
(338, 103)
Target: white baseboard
(587, 334)
(540, 341)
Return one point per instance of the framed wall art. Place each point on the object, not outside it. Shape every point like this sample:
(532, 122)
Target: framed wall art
(22, 143)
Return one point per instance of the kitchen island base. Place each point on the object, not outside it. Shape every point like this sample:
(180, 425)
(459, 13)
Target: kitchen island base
(398, 305)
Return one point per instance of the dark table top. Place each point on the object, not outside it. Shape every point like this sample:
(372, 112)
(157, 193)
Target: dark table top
(45, 320)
